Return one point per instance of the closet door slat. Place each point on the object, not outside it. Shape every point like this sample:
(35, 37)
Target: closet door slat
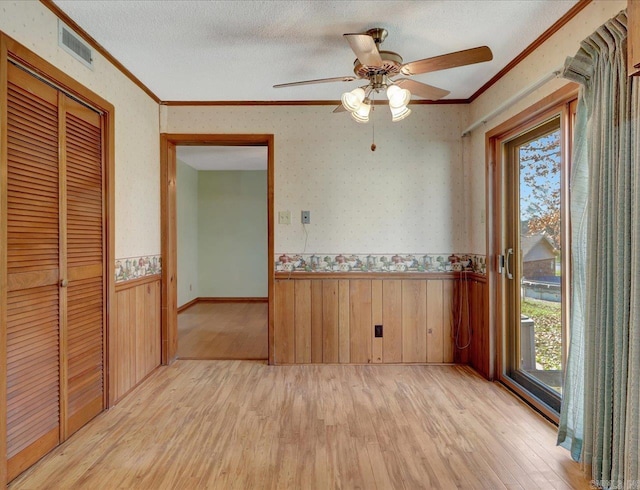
(33, 321)
(85, 294)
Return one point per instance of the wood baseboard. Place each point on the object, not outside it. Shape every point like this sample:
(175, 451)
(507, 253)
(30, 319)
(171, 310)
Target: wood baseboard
(189, 304)
(207, 299)
(232, 300)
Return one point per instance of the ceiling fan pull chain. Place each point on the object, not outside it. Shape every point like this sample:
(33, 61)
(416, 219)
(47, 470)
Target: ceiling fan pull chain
(373, 121)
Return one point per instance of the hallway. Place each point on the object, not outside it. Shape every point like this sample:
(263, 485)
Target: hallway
(223, 331)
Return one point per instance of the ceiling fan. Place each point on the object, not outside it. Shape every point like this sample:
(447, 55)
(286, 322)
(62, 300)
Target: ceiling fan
(380, 69)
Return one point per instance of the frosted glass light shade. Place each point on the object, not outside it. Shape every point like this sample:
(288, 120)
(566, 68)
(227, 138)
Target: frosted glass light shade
(362, 114)
(352, 101)
(397, 96)
(399, 113)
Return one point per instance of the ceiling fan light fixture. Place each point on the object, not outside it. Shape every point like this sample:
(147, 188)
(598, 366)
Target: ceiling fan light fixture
(362, 114)
(399, 113)
(398, 97)
(352, 101)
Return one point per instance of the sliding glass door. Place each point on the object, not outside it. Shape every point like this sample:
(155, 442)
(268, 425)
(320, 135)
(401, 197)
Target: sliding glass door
(535, 262)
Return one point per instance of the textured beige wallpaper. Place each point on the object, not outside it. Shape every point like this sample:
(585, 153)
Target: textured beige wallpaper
(405, 197)
(549, 56)
(137, 136)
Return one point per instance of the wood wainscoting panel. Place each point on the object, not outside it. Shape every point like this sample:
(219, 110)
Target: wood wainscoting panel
(461, 330)
(137, 334)
(360, 326)
(479, 349)
(344, 339)
(330, 321)
(377, 343)
(316, 322)
(414, 321)
(435, 321)
(449, 316)
(392, 320)
(284, 331)
(302, 321)
(333, 321)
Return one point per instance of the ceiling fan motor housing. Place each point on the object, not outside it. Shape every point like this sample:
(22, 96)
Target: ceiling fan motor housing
(391, 65)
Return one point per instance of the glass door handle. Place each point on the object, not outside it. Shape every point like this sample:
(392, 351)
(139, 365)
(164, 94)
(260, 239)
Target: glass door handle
(507, 263)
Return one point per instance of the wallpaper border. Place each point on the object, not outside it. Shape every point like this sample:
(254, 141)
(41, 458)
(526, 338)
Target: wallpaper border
(129, 268)
(391, 262)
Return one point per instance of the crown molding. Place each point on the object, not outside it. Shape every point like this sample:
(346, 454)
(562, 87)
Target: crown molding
(99, 48)
(183, 103)
(571, 13)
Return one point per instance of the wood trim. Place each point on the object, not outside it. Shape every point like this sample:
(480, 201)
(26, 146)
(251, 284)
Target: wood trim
(187, 305)
(32, 61)
(577, 8)
(236, 103)
(3, 260)
(63, 267)
(571, 13)
(168, 142)
(380, 275)
(513, 125)
(98, 47)
(109, 147)
(223, 299)
(135, 385)
(132, 283)
(270, 242)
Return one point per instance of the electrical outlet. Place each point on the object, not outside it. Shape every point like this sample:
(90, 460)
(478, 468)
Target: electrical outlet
(284, 218)
(306, 217)
(377, 331)
(482, 217)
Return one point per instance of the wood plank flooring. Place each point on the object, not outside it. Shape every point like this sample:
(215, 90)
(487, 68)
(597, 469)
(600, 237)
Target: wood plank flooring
(246, 425)
(223, 331)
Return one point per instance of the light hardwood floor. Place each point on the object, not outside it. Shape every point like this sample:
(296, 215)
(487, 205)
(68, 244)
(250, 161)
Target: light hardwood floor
(223, 331)
(246, 425)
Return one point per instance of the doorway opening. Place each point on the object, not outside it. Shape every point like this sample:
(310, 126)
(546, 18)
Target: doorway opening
(216, 269)
(221, 199)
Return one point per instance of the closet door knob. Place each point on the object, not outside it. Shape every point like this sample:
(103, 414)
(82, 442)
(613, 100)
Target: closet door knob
(64, 283)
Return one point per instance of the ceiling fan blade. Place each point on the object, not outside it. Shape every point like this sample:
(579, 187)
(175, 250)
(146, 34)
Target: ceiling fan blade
(422, 89)
(365, 49)
(451, 60)
(340, 108)
(319, 80)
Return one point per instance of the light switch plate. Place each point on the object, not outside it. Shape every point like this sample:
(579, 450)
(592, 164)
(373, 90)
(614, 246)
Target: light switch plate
(284, 218)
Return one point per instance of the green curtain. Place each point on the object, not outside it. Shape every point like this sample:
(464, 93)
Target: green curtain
(600, 417)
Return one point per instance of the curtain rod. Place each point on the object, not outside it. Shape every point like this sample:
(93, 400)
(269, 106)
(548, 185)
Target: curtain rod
(509, 102)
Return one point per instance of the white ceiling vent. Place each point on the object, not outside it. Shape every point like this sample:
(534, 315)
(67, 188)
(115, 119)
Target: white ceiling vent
(74, 45)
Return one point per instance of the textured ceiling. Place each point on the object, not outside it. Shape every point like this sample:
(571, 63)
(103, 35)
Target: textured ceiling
(223, 157)
(237, 50)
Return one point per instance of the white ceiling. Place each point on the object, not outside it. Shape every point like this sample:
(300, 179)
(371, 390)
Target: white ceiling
(237, 50)
(223, 157)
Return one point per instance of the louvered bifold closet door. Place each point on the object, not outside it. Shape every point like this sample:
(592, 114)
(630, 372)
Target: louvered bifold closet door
(33, 257)
(84, 260)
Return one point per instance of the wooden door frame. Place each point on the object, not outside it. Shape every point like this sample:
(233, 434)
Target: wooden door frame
(494, 183)
(10, 49)
(169, 290)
